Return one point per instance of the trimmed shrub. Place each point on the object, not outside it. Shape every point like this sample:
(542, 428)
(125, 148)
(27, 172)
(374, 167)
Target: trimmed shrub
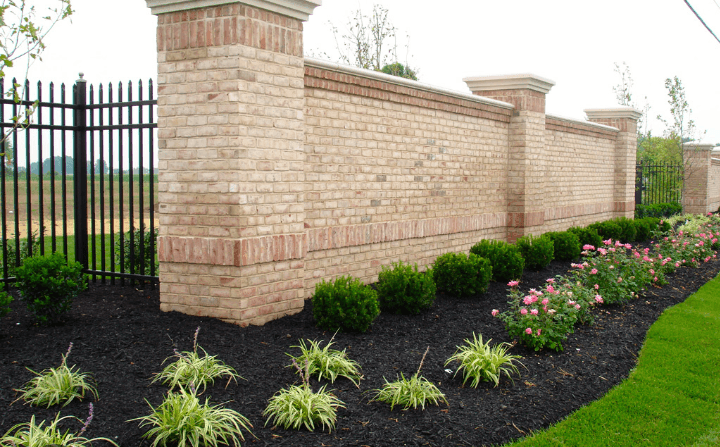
(657, 210)
(566, 245)
(628, 232)
(5, 301)
(538, 252)
(345, 304)
(644, 228)
(506, 260)
(402, 289)
(462, 275)
(587, 236)
(48, 285)
(607, 230)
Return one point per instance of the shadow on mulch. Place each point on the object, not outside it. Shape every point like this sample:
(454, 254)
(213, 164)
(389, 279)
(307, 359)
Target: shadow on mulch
(120, 335)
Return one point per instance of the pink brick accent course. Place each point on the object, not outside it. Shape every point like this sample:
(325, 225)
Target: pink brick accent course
(243, 252)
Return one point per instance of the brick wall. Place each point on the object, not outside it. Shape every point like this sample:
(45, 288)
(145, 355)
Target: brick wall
(278, 171)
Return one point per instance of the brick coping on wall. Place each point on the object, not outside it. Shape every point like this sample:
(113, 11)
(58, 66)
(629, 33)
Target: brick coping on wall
(386, 81)
(588, 128)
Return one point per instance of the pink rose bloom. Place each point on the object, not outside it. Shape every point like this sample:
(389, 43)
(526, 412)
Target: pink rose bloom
(523, 311)
(528, 331)
(577, 306)
(545, 301)
(528, 300)
(550, 280)
(539, 331)
(550, 289)
(588, 247)
(611, 267)
(652, 272)
(534, 299)
(571, 303)
(495, 312)
(551, 311)
(534, 311)
(655, 279)
(593, 272)
(513, 283)
(628, 246)
(607, 242)
(619, 279)
(596, 286)
(602, 251)
(677, 264)
(598, 299)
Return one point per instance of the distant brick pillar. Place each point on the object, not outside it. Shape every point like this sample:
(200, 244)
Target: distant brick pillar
(526, 180)
(231, 132)
(697, 183)
(625, 120)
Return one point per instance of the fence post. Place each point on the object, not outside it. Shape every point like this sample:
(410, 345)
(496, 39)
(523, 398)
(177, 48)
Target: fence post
(638, 183)
(80, 172)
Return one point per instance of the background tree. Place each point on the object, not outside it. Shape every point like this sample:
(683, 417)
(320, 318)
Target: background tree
(370, 42)
(22, 38)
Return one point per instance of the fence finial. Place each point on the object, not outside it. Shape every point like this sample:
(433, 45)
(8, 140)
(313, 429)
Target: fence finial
(82, 75)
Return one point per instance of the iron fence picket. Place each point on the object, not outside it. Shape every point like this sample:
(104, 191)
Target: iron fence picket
(107, 133)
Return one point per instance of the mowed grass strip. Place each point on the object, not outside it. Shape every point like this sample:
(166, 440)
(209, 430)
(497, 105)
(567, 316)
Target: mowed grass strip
(672, 398)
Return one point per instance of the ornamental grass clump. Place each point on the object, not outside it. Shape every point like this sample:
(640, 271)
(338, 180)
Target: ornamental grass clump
(403, 289)
(59, 385)
(299, 406)
(461, 275)
(31, 434)
(506, 260)
(191, 367)
(345, 304)
(182, 420)
(327, 363)
(413, 392)
(481, 362)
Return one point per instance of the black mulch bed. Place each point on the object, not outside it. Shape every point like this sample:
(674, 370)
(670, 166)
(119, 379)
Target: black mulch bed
(122, 338)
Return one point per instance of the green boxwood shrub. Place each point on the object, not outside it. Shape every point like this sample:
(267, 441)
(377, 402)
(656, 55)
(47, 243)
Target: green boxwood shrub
(644, 228)
(48, 285)
(608, 230)
(566, 245)
(402, 289)
(345, 304)
(587, 236)
(628, 232)
(506, 260)
(538, 252)
(462, 275)
(5, 301)
(657, 210)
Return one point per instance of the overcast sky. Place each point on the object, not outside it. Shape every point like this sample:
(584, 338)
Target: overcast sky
(574, 43)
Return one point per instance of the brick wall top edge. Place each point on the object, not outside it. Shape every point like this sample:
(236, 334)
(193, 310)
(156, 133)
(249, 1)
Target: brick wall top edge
(588, 125)
(578, 129)
(388, 82)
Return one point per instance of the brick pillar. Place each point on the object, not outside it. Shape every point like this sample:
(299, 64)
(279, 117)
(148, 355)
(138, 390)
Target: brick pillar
(696, 184)
(526, 184)
(231, 133)
(625, 120)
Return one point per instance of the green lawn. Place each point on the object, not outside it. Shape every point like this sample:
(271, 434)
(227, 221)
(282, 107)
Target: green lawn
(672, 398)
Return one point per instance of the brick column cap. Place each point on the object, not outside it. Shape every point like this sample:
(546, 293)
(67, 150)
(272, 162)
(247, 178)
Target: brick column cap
(509, 82)
(614, 113)
(298, 9)
(701, 147)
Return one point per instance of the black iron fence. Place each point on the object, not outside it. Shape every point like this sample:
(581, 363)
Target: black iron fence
(658, 183)
(80, 179)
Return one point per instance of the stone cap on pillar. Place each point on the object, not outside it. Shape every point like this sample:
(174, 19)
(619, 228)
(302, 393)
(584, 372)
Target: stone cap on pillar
(613, 114)
(509, 82)
(298, 9)
(700, 147)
